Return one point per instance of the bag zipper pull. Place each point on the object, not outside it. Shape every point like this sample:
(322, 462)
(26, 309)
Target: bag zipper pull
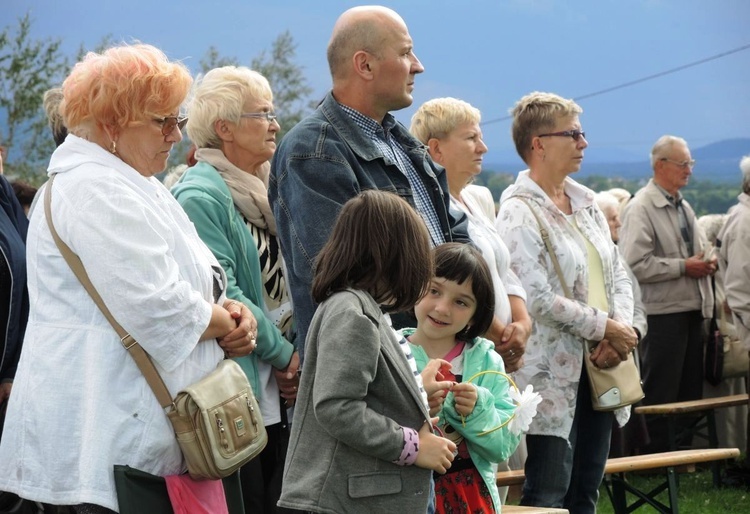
(222, 432)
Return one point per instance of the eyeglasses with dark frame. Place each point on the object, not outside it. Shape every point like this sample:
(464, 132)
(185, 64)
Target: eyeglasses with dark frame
(168, 123)
(575, 134)
(268, 116)
(680, 164)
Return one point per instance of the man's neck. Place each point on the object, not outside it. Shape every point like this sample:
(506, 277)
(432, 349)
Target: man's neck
(673, 194)
(359, 103)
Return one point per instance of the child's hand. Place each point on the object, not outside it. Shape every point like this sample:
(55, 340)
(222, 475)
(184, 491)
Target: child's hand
(435, 402)
(435, 452)
(464, 398)
(433, 378)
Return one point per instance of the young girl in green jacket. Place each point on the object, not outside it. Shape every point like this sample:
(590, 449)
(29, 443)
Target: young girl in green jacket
(477, 412)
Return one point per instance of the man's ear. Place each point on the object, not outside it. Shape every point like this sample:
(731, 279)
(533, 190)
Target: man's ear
(363, 64)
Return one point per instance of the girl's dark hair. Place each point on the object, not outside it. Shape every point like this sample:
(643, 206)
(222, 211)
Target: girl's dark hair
(379, 244)
(460, 262)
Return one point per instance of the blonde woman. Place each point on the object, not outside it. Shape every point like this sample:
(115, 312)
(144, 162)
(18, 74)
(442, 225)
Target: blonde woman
(450, 129)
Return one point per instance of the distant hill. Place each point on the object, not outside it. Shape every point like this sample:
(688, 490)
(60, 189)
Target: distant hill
(717, 162)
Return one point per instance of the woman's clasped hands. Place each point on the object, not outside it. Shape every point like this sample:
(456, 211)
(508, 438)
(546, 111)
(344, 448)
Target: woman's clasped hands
(241, 340)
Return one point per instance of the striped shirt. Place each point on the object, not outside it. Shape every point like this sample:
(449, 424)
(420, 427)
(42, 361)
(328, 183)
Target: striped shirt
(394, 153)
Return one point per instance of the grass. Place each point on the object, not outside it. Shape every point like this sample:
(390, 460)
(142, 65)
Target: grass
(697, 495)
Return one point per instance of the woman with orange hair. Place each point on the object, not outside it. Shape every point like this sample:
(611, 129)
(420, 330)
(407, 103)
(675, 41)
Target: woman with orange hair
(80, 404)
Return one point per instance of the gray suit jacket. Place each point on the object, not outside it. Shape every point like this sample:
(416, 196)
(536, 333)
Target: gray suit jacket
(356, 392)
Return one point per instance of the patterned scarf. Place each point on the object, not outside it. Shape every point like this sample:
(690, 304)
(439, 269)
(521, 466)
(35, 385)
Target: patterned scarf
(249, 192)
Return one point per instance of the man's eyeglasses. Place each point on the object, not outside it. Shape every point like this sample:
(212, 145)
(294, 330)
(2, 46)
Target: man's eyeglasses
(268, 116)
(681, 164)
(575, 134)
(168, 123)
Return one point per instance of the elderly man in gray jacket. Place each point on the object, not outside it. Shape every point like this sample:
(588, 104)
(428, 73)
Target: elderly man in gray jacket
(664, 247)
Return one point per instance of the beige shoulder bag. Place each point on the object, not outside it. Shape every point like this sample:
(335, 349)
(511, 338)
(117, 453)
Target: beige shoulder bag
(216, 420)
(611, 388)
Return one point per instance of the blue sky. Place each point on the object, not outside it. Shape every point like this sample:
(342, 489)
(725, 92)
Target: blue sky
(487, 52)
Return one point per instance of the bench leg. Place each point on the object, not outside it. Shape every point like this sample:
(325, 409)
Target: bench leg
(672, 486)
(620, 487)
(713, 442)
(616, 492)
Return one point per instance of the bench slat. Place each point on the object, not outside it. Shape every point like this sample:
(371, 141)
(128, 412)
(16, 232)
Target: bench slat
(693, 405)
(517, 509)
(668, 459)
(640, 462)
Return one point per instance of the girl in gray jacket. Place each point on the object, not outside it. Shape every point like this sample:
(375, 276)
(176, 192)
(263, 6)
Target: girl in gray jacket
(362, 437)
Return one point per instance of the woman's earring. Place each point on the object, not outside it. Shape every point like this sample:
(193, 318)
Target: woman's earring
(113, 147)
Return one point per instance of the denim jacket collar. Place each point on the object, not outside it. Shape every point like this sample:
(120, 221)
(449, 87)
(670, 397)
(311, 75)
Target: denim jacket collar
(358, 140)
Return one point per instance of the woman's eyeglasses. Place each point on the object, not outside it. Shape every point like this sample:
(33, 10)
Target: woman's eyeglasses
(168, 124)
(575, 134)
(268, 116)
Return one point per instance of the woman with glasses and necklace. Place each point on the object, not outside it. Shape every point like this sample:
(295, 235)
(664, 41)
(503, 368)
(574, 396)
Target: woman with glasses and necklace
(568, 441)
(80, 404)
(225, 195)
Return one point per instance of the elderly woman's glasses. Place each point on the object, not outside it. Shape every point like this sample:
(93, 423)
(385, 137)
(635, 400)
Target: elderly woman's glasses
(268, 116)
(168, 123)
(680, 164)
(575, 134)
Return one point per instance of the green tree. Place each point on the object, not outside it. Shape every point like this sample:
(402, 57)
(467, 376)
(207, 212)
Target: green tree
(291, 91)
(28, 67)
(498, 182)
(212, 60)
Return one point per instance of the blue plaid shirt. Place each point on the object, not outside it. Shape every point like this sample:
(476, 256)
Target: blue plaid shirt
(394, 153)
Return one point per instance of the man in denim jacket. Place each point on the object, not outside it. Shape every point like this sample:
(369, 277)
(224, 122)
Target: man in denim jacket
(351, 143)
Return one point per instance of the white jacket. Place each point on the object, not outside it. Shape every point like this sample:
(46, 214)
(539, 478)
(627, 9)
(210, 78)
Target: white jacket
(735, 265)
(79, 404)
(554, 351)
(485, 237)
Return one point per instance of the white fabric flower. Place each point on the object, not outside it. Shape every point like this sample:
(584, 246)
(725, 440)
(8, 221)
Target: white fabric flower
(527, 402)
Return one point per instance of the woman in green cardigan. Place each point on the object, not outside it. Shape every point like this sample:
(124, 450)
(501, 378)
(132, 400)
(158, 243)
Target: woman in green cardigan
(232, 124)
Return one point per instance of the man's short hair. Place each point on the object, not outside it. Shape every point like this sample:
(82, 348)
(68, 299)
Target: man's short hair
(745, 167)
(663, 146)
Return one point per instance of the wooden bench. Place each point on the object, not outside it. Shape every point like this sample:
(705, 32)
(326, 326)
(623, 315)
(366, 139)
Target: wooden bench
(617, 487)
(517, 509)
(704, 424)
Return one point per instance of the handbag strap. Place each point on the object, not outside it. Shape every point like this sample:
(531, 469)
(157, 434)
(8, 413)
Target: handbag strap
(721, 319)
(550, 250)
(142, 360)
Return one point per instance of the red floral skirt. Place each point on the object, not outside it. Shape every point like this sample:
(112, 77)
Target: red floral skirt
(462, 492)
